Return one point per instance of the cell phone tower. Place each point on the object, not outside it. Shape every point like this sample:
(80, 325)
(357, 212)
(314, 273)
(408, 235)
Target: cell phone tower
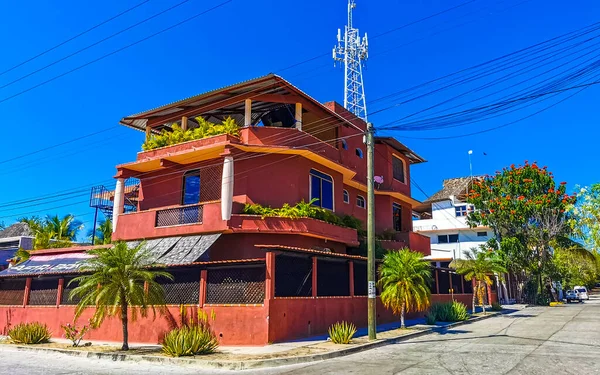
(353, 51)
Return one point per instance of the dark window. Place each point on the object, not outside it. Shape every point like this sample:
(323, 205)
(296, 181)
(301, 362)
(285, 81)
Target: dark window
(453, 238)
(359, 153)
(448, 238)
(344, 144)
(321, 188)
(191, 187)
(443, 238)
(346, 197)
(397, 213)
(398, 166)
(360, 201)
(460, 211)
(481, 234)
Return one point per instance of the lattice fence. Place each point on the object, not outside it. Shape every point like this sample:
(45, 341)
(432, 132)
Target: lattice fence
(210, 182)
(43, 292)
(333, 278)
(179, 215)
(293, 276)
(12, 291)
(64, 299)
(236, 285)
(360, 278)
(184, 289)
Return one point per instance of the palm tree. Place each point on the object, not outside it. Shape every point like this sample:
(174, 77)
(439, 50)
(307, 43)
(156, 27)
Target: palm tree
(404, 277)
(103, 233)
(120, 278)
(65, 228)
(478, 265)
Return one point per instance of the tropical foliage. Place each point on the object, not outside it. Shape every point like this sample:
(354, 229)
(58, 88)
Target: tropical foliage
(448, 312)
(574, 265)
(526, 209)
(585, 216)
(21, 256)
(29, 333)
(119, 282)
(404, 278)
(53, 231)
(204, 129)
(74, 333)
(342, 332)
(190, 340)
(479, 266)
(103, 233)
(304, 209)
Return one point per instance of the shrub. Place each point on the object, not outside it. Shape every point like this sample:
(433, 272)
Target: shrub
(496, 306)
(29, 333)
(205, 129)
(342, 332)
(449, 312)
(190, 340)
(430, 319)
(73, 333)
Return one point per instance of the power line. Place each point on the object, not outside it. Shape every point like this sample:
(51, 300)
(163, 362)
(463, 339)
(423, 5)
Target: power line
(73, 37)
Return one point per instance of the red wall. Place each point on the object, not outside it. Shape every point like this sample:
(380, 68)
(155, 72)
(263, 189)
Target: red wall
(148, 330)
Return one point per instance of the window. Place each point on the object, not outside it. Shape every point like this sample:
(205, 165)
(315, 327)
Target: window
(360, 201)
(481, 234)
(359, 153)
(448, 238)
(398, 169)
(346, 196)
(191, 187)
(397, 216)
(344, 144)
(321, 188)
(460, 211)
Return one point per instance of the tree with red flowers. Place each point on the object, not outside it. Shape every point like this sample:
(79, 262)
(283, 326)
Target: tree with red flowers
(525, 208)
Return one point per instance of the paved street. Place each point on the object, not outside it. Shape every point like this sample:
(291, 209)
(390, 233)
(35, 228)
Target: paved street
(560, 340)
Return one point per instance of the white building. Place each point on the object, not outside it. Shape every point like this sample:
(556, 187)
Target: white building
(443, 218)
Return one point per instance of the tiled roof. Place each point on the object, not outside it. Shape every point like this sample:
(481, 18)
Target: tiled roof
(311, 251)
(72, 249)
(17, 230)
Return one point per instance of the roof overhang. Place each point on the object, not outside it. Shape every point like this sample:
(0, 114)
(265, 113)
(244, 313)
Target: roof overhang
(398, 146)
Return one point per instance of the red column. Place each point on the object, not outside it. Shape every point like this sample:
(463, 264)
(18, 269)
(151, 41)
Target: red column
(61, 283)
(202, 299)
(27, 291)
(450, 281)
(351, 277)
(489, 294)
(314, 276)
(437, 282)
(270, 276)
(462, 285)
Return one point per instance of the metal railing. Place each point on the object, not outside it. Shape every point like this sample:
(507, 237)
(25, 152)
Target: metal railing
(179, 215)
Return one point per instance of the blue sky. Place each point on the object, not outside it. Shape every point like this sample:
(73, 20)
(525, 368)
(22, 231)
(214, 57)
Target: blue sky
(245, 39)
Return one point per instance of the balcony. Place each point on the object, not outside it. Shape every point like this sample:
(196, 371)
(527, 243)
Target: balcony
(205, 218)
(412, 240)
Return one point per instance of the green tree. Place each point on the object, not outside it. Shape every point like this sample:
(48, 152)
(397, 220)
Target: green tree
(585, 216)
(480, 266)
(103, 233)
(120, 282)
(574, 264)
(404, 278)
(53, 231)
(526, 209)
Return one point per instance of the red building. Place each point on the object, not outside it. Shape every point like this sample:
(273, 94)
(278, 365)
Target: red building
(266, 279)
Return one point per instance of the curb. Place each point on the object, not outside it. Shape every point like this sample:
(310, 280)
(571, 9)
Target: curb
(252, 364)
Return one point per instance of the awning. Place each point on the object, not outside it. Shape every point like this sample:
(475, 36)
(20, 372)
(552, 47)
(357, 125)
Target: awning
(48, 264)
(178, 250)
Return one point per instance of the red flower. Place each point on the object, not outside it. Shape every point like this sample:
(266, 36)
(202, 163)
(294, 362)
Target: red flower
(550, 190)
(534, 166)
(563, 183)
(521, 198)
(512, 166)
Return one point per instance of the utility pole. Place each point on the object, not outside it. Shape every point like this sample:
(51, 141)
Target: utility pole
(372, 295)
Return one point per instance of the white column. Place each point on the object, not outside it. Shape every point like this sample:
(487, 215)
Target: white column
(227, 188)
(248, 112)
(299, 116)
(118, 202)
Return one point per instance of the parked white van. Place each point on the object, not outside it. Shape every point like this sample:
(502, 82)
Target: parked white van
(583, 292)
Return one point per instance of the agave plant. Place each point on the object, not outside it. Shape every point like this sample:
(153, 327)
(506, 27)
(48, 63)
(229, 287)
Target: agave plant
(342, 332)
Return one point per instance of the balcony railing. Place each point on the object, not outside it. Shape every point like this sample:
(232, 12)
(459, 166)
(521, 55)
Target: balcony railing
(179, 216)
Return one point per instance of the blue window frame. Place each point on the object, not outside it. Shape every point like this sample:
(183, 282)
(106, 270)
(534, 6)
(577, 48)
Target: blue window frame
(346, 196)
(321, 188)
(191, 187)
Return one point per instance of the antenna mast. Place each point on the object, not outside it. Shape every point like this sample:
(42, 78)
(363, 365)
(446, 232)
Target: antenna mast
(353, 51)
